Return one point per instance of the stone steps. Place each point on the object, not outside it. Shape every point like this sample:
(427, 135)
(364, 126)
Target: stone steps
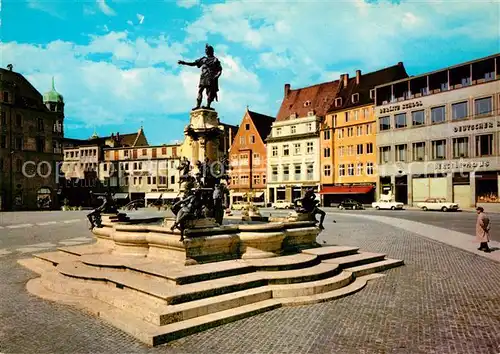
(331, 251)
(84, 249)
(375, 267)
(56, 257)
(354, 260)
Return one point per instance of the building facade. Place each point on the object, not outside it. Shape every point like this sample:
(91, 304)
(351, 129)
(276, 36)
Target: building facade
(147, 172)
(293, 157)
(81, 179)
(248, 158)
(438, 135)
(348, 138)
(31, 134)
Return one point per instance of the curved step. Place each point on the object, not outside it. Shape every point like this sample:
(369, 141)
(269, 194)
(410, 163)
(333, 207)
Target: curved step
(358, 259)
(56, 257)
(375, 267)
(328, 252)
(312, 287)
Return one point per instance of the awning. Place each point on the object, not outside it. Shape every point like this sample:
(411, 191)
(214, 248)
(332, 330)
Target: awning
(120, 195)
(152, 195)
(346, 189)
(170, 195)
(258, 194)
(237, 194)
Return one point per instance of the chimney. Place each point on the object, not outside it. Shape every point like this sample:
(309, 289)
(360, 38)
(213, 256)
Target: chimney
(117, 136)
(358, 76)
(346, 79)
(287, 90)
(9, 67)
(400, 63)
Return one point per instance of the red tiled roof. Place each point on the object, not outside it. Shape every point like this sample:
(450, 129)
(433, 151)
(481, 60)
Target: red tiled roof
(317, 98)
(262, 123)
(346, 189)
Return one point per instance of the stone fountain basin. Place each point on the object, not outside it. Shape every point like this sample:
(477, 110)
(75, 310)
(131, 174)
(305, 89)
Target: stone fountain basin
(253, 240)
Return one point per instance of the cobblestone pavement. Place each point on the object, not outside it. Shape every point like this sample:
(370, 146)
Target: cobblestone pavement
(444, 300)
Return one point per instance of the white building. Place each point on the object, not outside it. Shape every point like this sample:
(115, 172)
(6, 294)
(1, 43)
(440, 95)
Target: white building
(438, 135)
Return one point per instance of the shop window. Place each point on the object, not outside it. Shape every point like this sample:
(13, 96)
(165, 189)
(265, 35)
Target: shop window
(484, 145)
(487, 187)
(460, 147)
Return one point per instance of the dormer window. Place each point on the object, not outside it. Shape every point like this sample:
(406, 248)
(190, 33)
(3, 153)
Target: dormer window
(307, 103)
(338, 102)
(310, 113)
(355, 98)
(372, 94)
(293, 115)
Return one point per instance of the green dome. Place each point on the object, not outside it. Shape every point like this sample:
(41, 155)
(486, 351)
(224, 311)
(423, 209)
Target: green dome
(53, 95)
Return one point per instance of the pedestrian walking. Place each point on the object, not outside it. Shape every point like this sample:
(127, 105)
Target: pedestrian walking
(483, 226)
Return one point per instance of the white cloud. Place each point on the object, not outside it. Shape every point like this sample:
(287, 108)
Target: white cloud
(129, 22)
(105, 8)
(140, 18)
(131, 86)
(187, 3)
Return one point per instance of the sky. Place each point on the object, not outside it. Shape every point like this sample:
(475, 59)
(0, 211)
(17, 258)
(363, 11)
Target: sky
(115, 61)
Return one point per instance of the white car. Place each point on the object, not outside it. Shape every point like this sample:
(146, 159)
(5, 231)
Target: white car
(281, 204)
(387, 205)
(437, 204)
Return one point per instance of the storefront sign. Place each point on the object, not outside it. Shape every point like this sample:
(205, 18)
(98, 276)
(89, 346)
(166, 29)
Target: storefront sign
(399, 107)
(461, 164)
(477, 126)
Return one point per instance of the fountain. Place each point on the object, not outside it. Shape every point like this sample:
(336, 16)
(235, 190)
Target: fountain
(160, 281)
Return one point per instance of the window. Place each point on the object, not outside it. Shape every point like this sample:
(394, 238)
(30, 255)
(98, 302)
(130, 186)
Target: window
(247, 126)
(401, 152)
(163, 151)
(372, 94)
(125, 153)
(368, 129)
(6, 96)
(310, 171)
(256, 179)
(3, 119)
(144, 152)
(346, 114)
(19, 165)
(19, 120)
(40, 124)
(483, 106)
(274, 173)
(275, 151)
(252, 139)
(293, 129)
(326, 134)
(40, 144)
(400, 120)
(244, 179)
(355, 98)
(327, 170)
(418, 118)
(384, 123)
(309, 127)
(484, 145)
(350, 169)
(340, 133)
(286, 172)
(310, 147)
(338, 102)
(263, 179)
(439, 149)
(298, 172)
(18, 143)
(359, 130)
(369, 148)
(342, 170)
(359, 169)
(341, 151)
(460, 147)
(244, 160)
(385, 154)
(326, 152)
(350, 131)
(3, 141)
(296, 149)
(356, 115)
(242, 140)
(286, 150)
(256, 159)
(359, 149)
(1, 164)
(369, 168)
(149, 180)
(438, 114)
(366, 112)
(278, 131)
(350, 150)
(459, 110)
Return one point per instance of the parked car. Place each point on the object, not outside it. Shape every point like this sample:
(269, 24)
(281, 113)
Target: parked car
(350, 204)
(237, 206)
(381, 204)
(437, 204)
(281, 204)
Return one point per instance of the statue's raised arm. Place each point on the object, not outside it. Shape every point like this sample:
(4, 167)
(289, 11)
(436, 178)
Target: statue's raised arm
(211, 70)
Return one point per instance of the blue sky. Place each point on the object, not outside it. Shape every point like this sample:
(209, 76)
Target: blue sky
(115, 62)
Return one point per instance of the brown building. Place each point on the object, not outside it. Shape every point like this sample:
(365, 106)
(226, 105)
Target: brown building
(31, 134)
(248, 158)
